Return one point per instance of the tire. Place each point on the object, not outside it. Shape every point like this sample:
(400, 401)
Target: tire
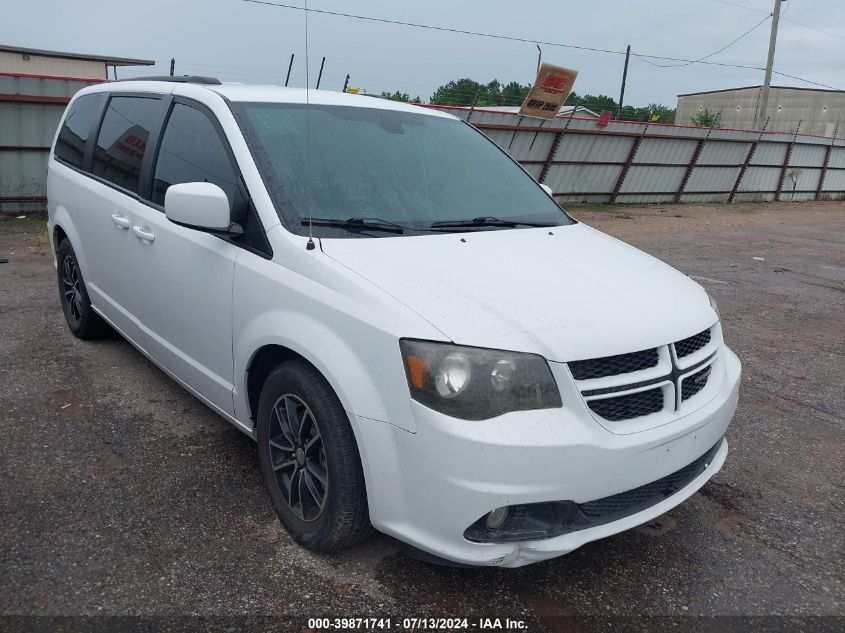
(316, 454)
(81, 319)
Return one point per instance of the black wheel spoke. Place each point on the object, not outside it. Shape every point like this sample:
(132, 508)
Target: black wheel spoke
(314, 443)
(289, 483)
(305, 423)
(318, 472)
(292, 417)
(284, 427)
(299, 495)
(67, 267)
(285, 464)
(281, 444)
(311, 487)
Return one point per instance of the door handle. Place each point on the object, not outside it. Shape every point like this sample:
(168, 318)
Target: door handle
(144, 235)
(122, 222)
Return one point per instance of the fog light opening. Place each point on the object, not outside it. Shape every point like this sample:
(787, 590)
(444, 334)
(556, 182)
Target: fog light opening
(496, 518)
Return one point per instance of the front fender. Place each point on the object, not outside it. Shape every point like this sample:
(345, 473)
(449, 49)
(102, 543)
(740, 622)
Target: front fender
(364, 368)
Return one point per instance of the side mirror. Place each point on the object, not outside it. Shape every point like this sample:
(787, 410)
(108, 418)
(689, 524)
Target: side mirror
(199, 205)
(547, 189)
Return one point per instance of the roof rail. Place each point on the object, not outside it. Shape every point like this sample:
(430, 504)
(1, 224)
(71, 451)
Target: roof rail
(181, 79)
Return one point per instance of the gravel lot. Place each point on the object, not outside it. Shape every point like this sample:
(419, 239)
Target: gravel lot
(123, 495)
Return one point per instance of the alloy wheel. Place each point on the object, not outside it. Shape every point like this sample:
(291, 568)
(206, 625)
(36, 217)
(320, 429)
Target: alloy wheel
(298, 457)
(71, 287)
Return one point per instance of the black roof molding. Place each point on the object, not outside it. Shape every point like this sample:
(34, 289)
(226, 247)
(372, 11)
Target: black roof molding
(179, 79)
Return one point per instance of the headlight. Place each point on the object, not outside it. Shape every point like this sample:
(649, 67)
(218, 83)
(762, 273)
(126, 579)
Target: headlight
(715, 306)
(474, 383)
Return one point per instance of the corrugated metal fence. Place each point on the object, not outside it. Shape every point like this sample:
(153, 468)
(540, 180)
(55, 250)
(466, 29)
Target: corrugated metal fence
(30, 110)
(581, 162)
(642, 162)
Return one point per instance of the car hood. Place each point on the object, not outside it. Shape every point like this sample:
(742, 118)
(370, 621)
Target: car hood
(568, 293)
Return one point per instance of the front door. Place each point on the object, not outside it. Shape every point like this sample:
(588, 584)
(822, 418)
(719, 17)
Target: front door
(183, 277)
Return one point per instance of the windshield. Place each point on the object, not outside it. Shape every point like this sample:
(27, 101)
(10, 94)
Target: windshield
(385, 166)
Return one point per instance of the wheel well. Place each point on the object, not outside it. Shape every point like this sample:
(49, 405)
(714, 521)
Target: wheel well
(58, 235)
(263, 362)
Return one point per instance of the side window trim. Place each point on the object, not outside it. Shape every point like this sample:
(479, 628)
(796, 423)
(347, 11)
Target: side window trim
(155, 131)
(150, 165)
(88, 161)
(208, 114)
(88, 155)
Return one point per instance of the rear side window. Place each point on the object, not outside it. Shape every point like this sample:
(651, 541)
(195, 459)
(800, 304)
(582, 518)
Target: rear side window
(123, 139)
(191, 150)
(77, 127)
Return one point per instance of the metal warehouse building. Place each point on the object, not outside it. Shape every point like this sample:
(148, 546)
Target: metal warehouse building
(818, 112)
(35, 87)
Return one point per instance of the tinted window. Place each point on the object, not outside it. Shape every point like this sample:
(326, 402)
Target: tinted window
(79, 122)
(192, 151)
(123, 139)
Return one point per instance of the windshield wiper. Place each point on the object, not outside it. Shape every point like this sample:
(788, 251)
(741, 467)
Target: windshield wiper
(357, 224)
(483, 221)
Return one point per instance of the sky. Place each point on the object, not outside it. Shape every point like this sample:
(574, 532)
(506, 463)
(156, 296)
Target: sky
(239, 41)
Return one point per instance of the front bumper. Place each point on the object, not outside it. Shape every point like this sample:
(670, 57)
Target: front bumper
(426, 488)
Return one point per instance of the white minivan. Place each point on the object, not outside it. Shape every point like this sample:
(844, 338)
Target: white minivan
(418, 337)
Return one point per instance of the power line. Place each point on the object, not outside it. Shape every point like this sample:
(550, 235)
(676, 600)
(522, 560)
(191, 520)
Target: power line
(815, 83)
(742, 6)
(511, 38)
(436, 28)
(813, 28)
(806, 26)
(642, 56)
(645, 58)
(701, 59)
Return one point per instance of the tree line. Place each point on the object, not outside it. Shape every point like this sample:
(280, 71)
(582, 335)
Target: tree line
(466, 92)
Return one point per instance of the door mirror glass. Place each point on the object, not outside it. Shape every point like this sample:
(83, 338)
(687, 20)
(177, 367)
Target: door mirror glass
(199, 205)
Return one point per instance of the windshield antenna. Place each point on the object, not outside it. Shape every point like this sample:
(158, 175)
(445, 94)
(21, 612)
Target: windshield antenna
(309, 246)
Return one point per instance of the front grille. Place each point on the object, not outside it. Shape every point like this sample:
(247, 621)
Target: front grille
(613, 365)
(636, 500)
(695, 383)
(628, 406)
(692, 344)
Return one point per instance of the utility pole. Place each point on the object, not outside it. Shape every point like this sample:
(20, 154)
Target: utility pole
(172, 65)
(624, 79)
(763, 103)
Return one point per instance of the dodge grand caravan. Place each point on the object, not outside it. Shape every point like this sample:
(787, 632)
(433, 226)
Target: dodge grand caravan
(419, 339)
